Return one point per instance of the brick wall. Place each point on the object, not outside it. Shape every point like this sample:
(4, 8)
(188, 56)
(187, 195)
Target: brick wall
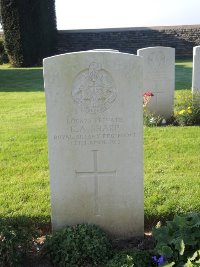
(183, 38)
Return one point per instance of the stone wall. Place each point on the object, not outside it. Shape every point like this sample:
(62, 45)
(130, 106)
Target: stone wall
(182, 38)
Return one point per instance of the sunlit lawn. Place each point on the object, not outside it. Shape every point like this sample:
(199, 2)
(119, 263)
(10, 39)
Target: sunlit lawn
(172, 157)
(183, 74)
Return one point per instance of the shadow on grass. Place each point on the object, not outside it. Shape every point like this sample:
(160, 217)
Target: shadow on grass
(31, 79)
(20, 245)
(43, 224)
(21, 80)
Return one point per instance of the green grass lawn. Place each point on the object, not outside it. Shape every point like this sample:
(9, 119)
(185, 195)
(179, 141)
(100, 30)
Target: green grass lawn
(172, 157)
(183, 71)
(172, 171)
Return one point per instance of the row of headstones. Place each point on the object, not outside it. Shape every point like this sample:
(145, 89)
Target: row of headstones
(95, 134)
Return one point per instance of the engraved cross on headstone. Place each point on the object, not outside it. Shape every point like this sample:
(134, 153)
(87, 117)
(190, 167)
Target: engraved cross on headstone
(96, 174)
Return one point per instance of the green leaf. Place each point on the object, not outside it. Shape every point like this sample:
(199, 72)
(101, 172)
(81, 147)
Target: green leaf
(197, 263)
(167, 264)
(165, 251)
(188, 264)
(180, 245)
(195, 255)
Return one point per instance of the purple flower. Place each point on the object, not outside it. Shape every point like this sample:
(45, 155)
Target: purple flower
(154, 258)
(159, 260)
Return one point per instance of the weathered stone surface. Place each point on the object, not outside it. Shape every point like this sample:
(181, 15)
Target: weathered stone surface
(95, 138)
(159, 78)
(196, 70)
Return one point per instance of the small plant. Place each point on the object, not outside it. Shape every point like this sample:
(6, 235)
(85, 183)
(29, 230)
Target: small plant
(129, 258)
(187, 111)
(149, 118)
(179, 241)
(16, 237)
(129, 262)
(76, 245)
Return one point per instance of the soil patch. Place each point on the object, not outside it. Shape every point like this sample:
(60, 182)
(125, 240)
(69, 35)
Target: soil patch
(35, 257)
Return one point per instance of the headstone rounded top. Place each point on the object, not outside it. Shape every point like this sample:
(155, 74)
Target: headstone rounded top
(104, 50)
(92, 52)
(156, 48)
(196, 49)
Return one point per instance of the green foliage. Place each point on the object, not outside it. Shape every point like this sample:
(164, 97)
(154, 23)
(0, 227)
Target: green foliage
(152, 120)
(129, 258)
(16, 237)
(179, 240)
(29, 29)
(3, 55)
(73, 246)
(11, 26)
(187, 110)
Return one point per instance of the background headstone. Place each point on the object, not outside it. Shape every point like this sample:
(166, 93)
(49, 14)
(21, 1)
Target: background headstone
(196, 70)
(159, 78)
(95, 138)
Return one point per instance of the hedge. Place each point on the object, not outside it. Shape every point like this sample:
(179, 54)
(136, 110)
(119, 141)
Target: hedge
(29, 29)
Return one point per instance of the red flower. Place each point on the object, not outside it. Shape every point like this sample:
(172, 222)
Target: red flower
(148, 93)
(146, 97)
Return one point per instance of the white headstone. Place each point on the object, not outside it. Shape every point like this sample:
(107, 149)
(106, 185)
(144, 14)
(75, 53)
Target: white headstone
(95, 138)
(196, 70)
(159, 78)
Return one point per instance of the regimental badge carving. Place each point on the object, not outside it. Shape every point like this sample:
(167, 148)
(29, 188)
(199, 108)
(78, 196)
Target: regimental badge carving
(93, 89)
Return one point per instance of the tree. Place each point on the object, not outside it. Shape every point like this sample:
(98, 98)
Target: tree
(29, 30)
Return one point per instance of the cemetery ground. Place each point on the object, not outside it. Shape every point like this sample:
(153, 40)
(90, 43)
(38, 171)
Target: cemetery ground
(171, 155)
